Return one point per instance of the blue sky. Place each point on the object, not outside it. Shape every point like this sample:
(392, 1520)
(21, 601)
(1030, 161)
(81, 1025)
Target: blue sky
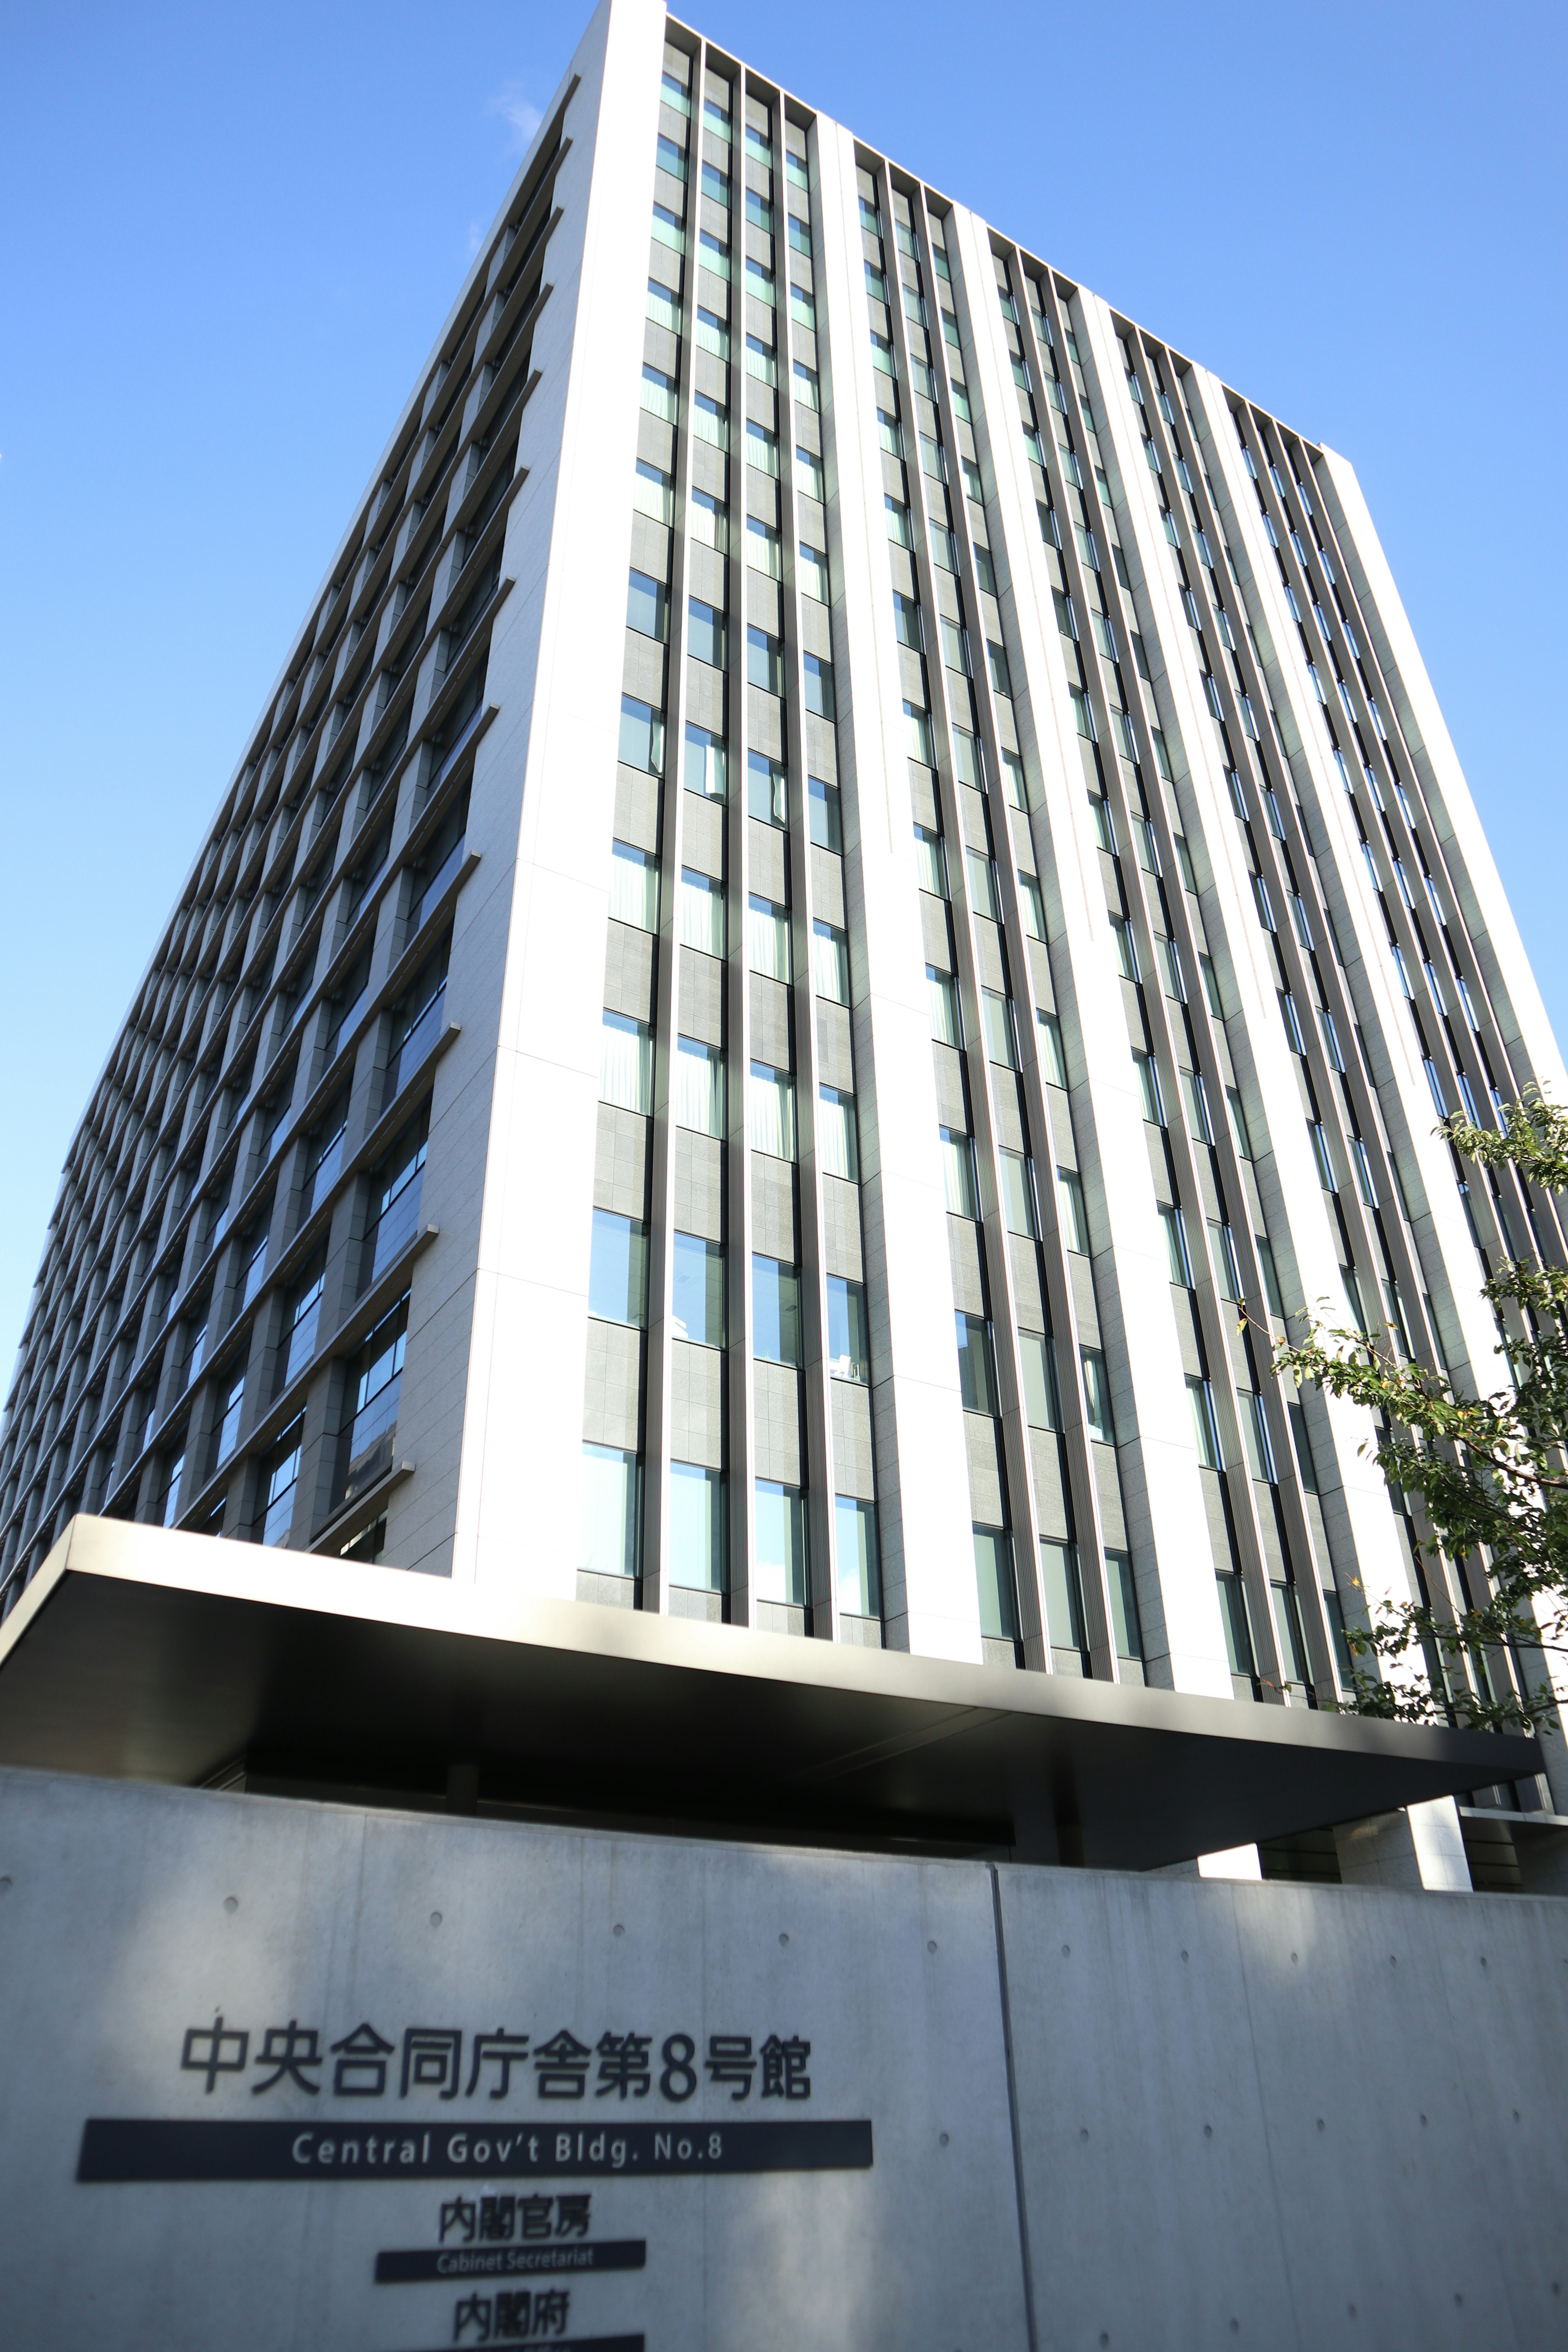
(227, 237)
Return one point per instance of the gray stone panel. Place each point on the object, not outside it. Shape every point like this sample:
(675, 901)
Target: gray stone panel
(703, 835)
(835, 1061)
(701, 1002)
(766, 853)
(643, 673)
(1026, 1291)
(771, 1009)
(968, 1266)
(1108, 1491)
(951, 1101)
(827, 887)
(697, 1405)
(621, 1161)
(988, 1478)
(774, 1233)
(854, 1459)
(1052, 1500)
(636, 808)
(612, 1388)
(628, 971)
(937, 936)
(777, 1409)
(841, 1228)
(704, 698)
(988, 963)
(699, 1187)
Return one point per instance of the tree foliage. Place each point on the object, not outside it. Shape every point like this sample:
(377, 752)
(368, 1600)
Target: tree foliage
(1490, 1472)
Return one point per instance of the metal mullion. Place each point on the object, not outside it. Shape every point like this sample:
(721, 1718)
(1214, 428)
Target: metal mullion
(658, 1353)
(815, 1413)
(1082, 1476)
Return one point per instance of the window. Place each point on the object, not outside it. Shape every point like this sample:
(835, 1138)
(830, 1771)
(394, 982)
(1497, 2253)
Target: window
(1211, 987)
(820, 696)
(761, 361)
(701, 913)
(618, 1270)
(917, 734)
(907, 622)
(781, 1565)
(1270, 1276)
(1014, 781)
(712, 329)
(764, 661)
(646, 605)
(814, 578)
(1321, 1153)
(302, 1319)
(837, 1149)
(698, 1086)
(762, 447)
(1052, 1056)
(1255, 1438)
(775, 1311)
(325, 1159)
(859, 1566)
(396, 1191)
(770, 1111)
(1205, 1428)
(1074, 1222)
(767, 789)
(849, 1344)
(653, 492)
(808, 468)
(706, 632)
(1126, 948)
(981, 877)
(1194, 1095)
(830, 964)
(710, 419)
(1064, 1596)
(826, 823)
(1148, 1088)
(1227, 1272)
(897, 516)
(976, 1364)
(1097, 1398)
(1176, 1244)
(1083, 716)
(625, 1063)
(1239, 1123)
(890, 433)
(642, 735)
(707, 764)
(956, 645)
(664, 306)
(371, 1403)
(710, 521)
(280, 1479)
(806, 388)
(612, 1512)
(946, 1027)
(698, 1291)
(1001, 1035)
(767, 937)
(931, 862)
(228, 1426)
(994, 1583)
(1124, 1622)
(764, 549)
(1018, 1195)
(1303, 1449)
(1170, 967)
(1001, 676)
(958, 1173)
(633, 887)
(1042, 1406)
(698, 1558)
(1237, 1635)
(658, 393)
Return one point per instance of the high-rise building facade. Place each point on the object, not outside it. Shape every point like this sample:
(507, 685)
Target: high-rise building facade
(851, 893)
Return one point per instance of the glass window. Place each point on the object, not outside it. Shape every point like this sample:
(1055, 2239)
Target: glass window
(1097, 1398)
(767, 937)
(859, 1566)
(1221, 1249)
(711, 526)
(642, 735)
(1239, 1123)
(826, 826)
(982, 881)
(1176, 1245)
(931, 862)
(698, 1086)
(698, 1554)
(1124, 1621)
(1194, 1094)
(1064, 1595)
(1148, 1088)
(907, 622)
(993, 1582)
(1001, 1036)
(806, 388)
(830, 964)
(775, 1311)
(1126, 951)
(765, 660)
(976, 1364)
(617, 1269)
(958, 1173)
(1205, 1428)
(1233, 1616)
(705, 633)
(609, 1543)
(625, 1063)
(1052, 1056)
(707, 764)
(946, 1027)
(279, 1482)
(781, 1544)
(818, 680)
(1270, 1278)
(653, 491)
(808, 468)
(228, 1427)
(764, 549)
(371, 1403)
(698, 1291)
(1255, 1437)
(814, 578)
(848, 1345)
(701, 913)
(633, 887)
(304, 1316)
(1013, 779)
(770, 1111)
(1042, 1406)
(646, 605)
(1211, 987)
(767, 789)
(917, 735)
(1018, 1195)
(1073, 1220)
(837, 1149)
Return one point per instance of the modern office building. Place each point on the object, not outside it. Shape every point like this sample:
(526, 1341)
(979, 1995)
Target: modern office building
(851, 893)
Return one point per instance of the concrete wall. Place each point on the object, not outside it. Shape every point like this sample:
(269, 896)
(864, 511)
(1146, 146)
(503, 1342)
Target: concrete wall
(1284, 2114)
